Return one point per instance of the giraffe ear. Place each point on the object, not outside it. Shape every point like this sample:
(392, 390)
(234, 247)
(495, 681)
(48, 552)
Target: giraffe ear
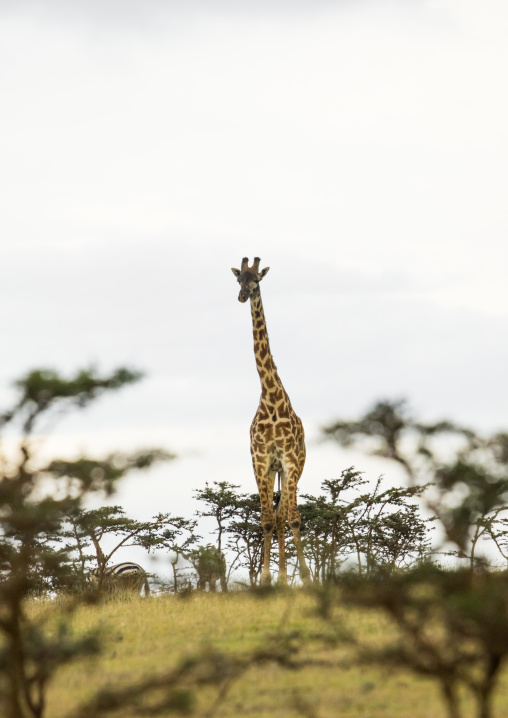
(236, 272)
(263, 272)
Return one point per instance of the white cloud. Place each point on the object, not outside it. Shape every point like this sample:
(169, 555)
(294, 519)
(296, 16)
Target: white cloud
(358, 148)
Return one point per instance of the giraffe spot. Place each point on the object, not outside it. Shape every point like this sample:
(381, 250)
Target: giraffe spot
(275, 397)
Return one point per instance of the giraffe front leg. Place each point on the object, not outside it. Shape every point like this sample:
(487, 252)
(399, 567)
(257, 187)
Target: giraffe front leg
(265, 480)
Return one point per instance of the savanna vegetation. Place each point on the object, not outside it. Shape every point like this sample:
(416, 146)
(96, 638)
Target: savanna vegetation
(400, 619)
(250, 653)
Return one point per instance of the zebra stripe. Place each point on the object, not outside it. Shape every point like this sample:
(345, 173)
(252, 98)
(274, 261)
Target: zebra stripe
(122, 576)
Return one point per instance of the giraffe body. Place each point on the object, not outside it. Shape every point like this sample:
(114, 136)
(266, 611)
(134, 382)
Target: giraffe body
(277, 439)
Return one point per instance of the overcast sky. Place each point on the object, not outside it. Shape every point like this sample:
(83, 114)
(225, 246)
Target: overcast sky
(359, 148)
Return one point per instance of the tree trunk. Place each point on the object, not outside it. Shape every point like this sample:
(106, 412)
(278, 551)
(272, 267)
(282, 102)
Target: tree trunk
(486, 690)
(175, 578)
(451, 700)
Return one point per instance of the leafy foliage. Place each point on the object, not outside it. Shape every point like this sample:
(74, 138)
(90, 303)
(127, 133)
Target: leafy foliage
(376, 529)
(452, 626)
(86, 529)
(220, 500)
(32, 557)
(245, 537)
(373, 528)
(452, 623)
(42, 390)
(468, 471)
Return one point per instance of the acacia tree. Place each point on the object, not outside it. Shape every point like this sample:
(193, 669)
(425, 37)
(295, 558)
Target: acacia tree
(34, 499)
(458, 461)
(237, 516)
(452, 624)
(378, 529)
(90, 529)
(328, 522)
(391, 533)
(221, 503)
(245, 537)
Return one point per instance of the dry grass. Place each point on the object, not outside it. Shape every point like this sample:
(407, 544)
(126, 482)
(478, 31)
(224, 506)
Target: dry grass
(146, 637)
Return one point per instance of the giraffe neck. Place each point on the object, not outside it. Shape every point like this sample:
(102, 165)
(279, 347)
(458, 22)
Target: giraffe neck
(264, 361)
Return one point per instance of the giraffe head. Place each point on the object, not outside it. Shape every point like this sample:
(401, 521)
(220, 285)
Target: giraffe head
(249, 278)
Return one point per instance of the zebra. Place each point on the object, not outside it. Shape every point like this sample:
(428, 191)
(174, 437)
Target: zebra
(127, 576)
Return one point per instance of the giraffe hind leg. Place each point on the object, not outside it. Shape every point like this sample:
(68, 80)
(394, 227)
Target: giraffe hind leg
(281, 513)
(293, 517)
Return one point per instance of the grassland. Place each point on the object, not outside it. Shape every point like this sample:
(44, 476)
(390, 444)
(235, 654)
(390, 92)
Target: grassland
(147, 637)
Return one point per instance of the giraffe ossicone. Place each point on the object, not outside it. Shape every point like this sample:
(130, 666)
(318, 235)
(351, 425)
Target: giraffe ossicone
(277, 440)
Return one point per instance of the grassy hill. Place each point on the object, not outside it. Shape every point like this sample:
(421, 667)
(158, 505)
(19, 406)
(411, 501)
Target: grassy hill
(150, 637)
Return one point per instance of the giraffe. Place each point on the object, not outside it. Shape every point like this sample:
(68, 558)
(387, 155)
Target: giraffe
(276, 436)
